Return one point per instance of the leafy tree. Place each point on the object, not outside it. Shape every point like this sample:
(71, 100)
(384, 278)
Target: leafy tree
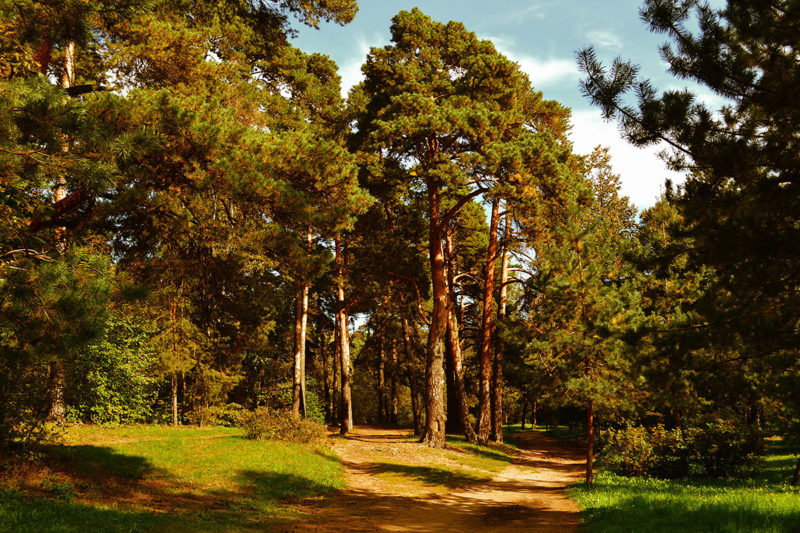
(443, 109)
(581, 298)
(740, 200)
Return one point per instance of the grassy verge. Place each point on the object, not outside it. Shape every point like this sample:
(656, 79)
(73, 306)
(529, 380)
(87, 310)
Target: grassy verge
(764, 502)
(156, 478)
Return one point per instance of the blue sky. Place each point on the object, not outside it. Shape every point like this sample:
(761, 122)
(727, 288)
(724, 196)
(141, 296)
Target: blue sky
(542, 36)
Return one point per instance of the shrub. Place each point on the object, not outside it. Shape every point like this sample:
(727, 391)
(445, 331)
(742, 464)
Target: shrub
(112, 380)
(228, 415)
(270, 424)
(627, 451)
(719, 447)
(725, 447)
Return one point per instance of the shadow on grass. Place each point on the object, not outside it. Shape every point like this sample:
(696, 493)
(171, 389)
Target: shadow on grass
(277, 486)
(427, 474)
(93, 488)
(94, 461)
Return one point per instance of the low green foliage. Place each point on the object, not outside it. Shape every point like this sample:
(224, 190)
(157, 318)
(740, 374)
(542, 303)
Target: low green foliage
(717, 447)
(269, 424)
(113, 380)
(763, 502)
(228, 415)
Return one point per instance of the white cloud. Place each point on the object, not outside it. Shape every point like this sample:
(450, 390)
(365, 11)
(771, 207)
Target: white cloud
(534, 11)
(542, 72)
(605, 39)
(350, 69)
(641, 171)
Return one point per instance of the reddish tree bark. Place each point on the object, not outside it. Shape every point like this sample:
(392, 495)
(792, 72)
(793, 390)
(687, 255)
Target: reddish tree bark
(487, 330)
(497, 368)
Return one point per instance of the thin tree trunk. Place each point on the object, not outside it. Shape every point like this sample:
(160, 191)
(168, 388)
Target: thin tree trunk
(344, 341)
(298, 374)
(524, 410)
(497, 369)
(589, 444)
(533, 413)
(796, 478)
(487, 330)
(412, 379)
(393, 389)
(381, 378)
(434, 434)
(457, 360)
(326, 387)
(59, 193)
(174, 395)
(337, 364)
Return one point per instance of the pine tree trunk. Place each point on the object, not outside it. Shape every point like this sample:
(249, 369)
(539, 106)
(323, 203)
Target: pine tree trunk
(336, 395)
(299, 369)
(590, 444)
(381, 379)
(487, 331)
(497, 369)
(412, 379)
(344, 341)
(174, 395)
(453, 424)
(56, 414)
(461, 408)
(434, 434)
(524, 411)
(533, 413)
(394, 384)
(326, 387)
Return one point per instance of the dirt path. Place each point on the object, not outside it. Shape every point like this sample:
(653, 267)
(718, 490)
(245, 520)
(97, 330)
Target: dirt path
(528, 495)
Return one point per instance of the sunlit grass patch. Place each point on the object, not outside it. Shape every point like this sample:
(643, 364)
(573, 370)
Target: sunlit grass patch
(147, 477)
(764, 502)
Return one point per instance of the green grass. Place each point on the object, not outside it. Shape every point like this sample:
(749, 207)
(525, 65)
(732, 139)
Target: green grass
(144, 478)
(561, 433)
(764, 502)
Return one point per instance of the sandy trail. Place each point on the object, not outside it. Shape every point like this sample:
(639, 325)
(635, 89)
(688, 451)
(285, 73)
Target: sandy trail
(525, 496)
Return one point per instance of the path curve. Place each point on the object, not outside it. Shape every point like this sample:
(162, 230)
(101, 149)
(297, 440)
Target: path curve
(528, 495)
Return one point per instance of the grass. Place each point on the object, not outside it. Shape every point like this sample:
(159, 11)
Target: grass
(561, 433)
(143, 478)
(763, 502)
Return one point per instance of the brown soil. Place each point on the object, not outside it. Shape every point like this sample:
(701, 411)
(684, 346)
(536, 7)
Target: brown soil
(528, 495)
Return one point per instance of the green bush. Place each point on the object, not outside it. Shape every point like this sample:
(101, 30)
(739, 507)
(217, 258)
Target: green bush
(719, 447)
(270, 424)
(228, 415)
(627, 451)
(725, 447)
(113, 380)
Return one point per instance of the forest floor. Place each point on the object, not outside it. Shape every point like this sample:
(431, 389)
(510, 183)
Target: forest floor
(395, 485)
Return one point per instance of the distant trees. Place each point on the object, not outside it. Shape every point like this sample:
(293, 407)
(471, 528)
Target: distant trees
(729, 273)
(194, 220)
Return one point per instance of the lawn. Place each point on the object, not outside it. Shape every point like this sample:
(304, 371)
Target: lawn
(763, 502)
(158, 478)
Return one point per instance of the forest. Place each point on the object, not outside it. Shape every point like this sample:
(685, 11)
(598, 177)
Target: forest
(199, 229)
